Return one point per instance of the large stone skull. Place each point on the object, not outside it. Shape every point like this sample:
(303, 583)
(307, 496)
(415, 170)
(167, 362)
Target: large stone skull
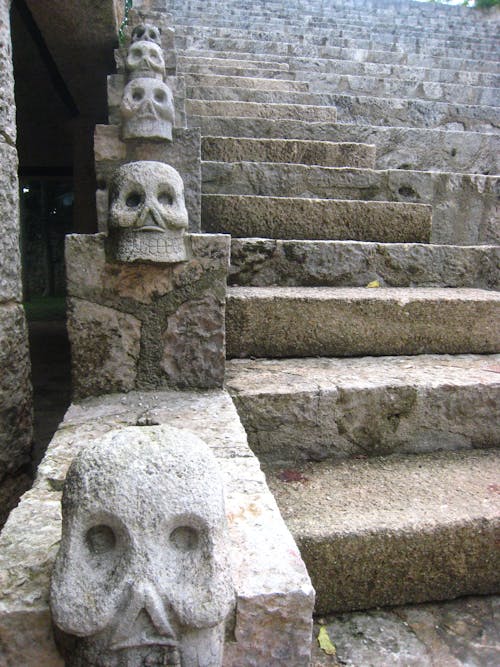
(147, 213)
(141, 576)
(146, 32)
(147, 110)
(145, 59)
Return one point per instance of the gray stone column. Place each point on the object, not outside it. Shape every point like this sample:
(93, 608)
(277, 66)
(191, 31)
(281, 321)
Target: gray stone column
(16, 422)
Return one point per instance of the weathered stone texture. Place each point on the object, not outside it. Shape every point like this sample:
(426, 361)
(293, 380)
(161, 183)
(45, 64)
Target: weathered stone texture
(259, 110)
(7, 104)
(313, 409)
(172, 315)
(10, 268)
(304, 218)
(266, 262)
(269, 576)
(15, 390)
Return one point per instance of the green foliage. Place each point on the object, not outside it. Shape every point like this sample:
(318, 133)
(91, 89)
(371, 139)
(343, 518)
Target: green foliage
(484, 4)
(121, 32)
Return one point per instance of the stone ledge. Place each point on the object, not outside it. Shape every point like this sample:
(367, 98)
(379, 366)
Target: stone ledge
(274, 594)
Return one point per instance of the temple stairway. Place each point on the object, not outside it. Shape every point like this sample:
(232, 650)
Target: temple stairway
(350, 149)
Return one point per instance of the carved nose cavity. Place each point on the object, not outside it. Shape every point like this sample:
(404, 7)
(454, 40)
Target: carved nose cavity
(144, 621)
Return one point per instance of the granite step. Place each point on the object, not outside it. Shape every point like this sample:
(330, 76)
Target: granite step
(394, 530)
(420, 149)
(239, 109)
(187, 61)
(240, 71)
(358, 55)
(207, 81)
(314, 409)
(326, 153)
(264, 262)
(464, 205)
(277, 322)
(365, 109)
(302, 218)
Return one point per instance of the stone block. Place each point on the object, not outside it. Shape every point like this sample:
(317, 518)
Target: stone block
(161, 325)
(259, 83)
(353, 321)
(312, 114)
(10, 268)
(16, 417)
(273, 617)
(183, 153)
(7, 102)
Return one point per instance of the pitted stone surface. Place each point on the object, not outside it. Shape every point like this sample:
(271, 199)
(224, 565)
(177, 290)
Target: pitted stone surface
(260, 110)
(312, 409)
(271, 583)
(158, 325)
(10, 271)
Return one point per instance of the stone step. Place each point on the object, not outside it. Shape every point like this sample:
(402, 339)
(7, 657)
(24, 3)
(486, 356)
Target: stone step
(187, 61)
(302, 218)
(204, 81)
(464, 206)
(359, 55)
(298, 410)
(276, 322)
(368, 109)
(266, 262)
(326, 153)
(396, 147)
(250, 72)
(389, 87)
(258, 110)
(258, 95)
(394, 530)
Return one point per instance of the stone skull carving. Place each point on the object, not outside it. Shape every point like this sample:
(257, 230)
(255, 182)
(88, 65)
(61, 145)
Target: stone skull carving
(141, 576)
(147, 213)
(147, 110)
(145, 59)
(146, 32)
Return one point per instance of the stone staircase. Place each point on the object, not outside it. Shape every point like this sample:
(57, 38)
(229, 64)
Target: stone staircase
(350, 148)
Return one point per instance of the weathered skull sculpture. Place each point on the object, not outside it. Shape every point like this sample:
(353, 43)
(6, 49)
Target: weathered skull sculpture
(147, 33)
(147, 213)
(145, 59)
(141, 576)
(147, 110)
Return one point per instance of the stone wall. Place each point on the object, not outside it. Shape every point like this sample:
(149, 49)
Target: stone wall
(15, 385)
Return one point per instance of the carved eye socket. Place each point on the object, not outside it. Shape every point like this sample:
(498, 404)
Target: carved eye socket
(100, 539)
(165, 198)
(139, 32)
(159, 95)
(136, 53)
(154, 55)
(153, 34)
(138, 94)
(134, 199)
(185, 538)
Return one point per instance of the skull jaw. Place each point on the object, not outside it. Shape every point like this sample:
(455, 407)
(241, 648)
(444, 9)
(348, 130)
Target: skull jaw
(152, 247)
(147, 128)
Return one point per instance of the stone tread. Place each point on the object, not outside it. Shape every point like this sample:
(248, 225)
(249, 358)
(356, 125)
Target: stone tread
(326, 153)
(395, 530)
(302, 218)
(259, 110)
(259, 83)
(251, 94)
(187, 59)
(350, 322)
(266, 262)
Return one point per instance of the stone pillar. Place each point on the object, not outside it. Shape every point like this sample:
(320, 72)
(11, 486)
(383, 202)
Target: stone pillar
(16, 422)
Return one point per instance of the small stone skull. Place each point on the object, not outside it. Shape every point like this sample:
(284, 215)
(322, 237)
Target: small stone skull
(147, 110)
(147, 213)
(145, 59)
(146, 32)
(142, 575)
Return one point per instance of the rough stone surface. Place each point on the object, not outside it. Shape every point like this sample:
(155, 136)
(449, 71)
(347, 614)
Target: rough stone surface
(326, 153)
(459, 633)
(143, 567)
(16, 428)
(7, 102)
(159, 325)
(259, 110)
(183, 154)
(266, 262)
(239, 94)
(272, 587)
(324, 321)
(147, 110)
(303, 218)
(395, 530)
(10, 270)
(312, 409)
(208, 80)
(464, 207)
(397, 147)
